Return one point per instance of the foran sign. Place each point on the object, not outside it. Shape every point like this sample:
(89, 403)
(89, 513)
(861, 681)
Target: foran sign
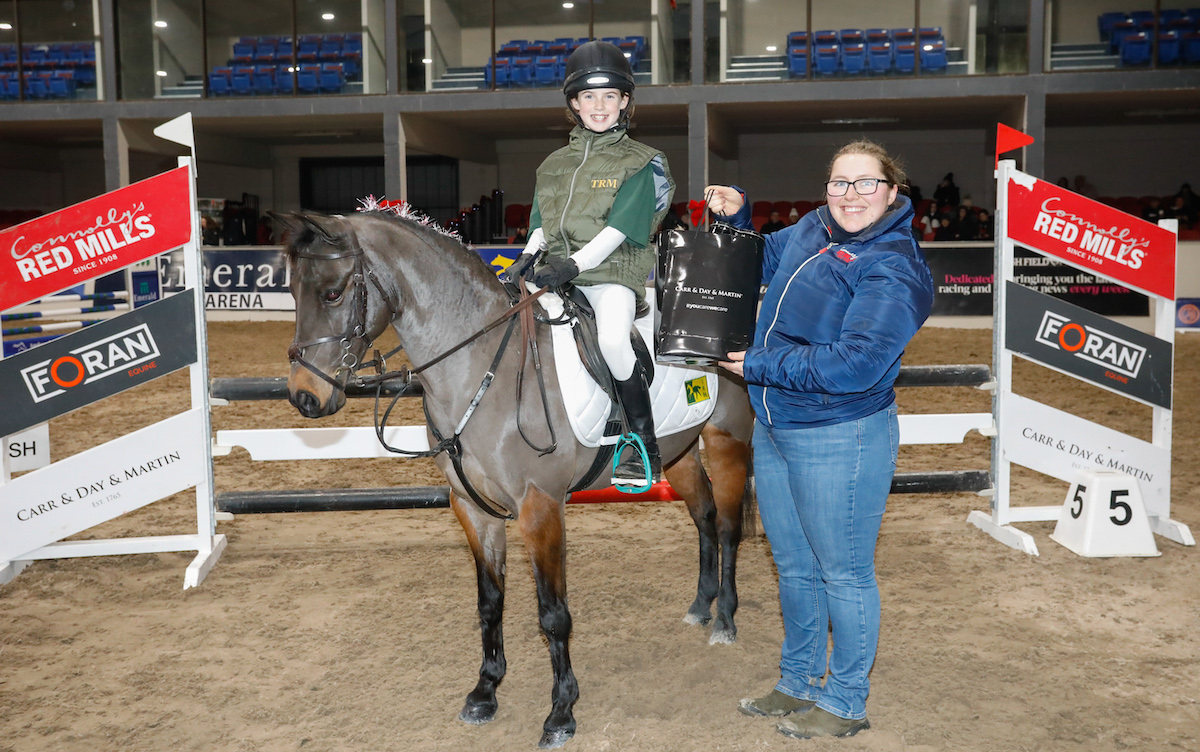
(97, 362)
(1089, 346)
(94, 238)
(1091, 236)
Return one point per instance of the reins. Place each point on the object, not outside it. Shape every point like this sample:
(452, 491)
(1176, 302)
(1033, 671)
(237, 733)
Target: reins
(452, 445)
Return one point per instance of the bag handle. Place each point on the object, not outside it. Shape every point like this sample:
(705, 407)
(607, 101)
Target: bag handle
(700, 211)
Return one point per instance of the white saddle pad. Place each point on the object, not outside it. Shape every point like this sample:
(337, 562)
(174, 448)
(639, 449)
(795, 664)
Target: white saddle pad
(680, 397)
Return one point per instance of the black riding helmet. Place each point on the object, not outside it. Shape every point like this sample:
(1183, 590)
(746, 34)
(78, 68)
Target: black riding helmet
(598, 65)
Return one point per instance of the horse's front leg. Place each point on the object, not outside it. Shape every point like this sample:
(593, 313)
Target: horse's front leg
(485, 535)
(544, 530)
(729, 465)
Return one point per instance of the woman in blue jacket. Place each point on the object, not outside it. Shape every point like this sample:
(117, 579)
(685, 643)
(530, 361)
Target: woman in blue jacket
(847, 288)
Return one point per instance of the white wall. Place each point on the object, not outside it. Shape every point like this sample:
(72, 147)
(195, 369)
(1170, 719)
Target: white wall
(447, 36)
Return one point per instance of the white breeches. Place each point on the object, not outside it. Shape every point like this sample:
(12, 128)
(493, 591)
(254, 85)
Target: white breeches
(614, 306)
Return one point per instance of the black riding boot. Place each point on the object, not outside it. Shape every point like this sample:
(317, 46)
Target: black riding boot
(635, 402)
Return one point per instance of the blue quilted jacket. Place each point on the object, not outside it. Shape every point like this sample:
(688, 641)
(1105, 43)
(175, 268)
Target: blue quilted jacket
(837, 314)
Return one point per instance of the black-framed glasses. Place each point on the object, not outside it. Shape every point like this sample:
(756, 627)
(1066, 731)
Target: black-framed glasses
(862, 186)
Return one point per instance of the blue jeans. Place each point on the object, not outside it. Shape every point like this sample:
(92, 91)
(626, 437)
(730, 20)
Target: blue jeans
(821, 497)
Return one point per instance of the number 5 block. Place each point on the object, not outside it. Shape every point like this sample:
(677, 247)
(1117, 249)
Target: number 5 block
(1103, 515)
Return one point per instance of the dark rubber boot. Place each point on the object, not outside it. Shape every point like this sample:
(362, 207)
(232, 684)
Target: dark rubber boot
(639, 419)
(774, 705)
(819, 722)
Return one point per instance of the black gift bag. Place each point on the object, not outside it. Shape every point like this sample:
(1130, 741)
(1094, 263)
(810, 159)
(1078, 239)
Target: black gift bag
(707, 286)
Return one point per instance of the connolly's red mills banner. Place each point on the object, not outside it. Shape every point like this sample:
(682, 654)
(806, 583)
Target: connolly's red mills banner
(1090, 235)
(94, 237)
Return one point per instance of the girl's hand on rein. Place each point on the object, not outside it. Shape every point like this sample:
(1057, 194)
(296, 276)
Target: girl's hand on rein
(724, 200)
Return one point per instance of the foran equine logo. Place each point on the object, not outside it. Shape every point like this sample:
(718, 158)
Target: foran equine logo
(1091, 344)
(120, 353)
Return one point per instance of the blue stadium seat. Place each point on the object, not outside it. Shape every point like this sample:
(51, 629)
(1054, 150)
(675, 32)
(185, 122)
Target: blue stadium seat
(545, 70)
(878, 35)
(330, 50)
(827, 59)
(933, 56)
(1143, 19)
(825, 36)
(264, 79)
(904, 56)
(265, 52)
(243, 53)
(1169, 47)
(798, 60)
(332, 78)
(4, 86)
(1135, 49)
(521, 71)
(219, 83)
(1191, 47)
(1120, 30)
(243, 80)
(851, 36)
(37, 85)
(308, 78)
(285, 78)
(502, 72)
(62, 84)
(308, 50)
(515, 48)
(283, 51)
(854, 57)
(797, 39)
(879, 57)
(1107, 21)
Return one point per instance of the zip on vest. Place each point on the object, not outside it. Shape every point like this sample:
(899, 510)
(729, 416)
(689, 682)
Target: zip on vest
(562, 221)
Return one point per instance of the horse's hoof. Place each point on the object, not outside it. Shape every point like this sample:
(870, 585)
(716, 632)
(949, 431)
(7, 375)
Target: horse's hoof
(696, 619)
(477, 715)
(722, 637)
(554, 739)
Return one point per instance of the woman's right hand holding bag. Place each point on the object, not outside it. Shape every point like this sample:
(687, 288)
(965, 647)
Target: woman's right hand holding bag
(723, 200)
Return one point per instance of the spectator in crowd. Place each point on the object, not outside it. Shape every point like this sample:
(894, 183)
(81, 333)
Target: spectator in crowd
(986, 226)
(967, 224)
(774, 223)
(947, 223)
(1178, 210)
(1191, 202)
(793, 216)
(946, 194)
(521, 237)
(914, 195)
(820, 374)
(1062, 182)
(1154, 210)
(929, 223)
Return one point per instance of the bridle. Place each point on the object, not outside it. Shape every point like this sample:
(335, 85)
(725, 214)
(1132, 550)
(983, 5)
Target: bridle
(350, 364)
(358, 331)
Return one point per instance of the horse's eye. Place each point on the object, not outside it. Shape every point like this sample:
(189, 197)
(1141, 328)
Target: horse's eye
(333, 296)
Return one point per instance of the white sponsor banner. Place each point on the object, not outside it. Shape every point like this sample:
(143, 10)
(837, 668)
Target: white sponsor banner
(107, 481)
(29, 449)
(1056, 443)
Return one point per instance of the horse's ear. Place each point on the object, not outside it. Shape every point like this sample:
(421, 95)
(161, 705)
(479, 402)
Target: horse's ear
(296, 223)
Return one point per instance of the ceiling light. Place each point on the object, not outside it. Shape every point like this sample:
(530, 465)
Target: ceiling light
(771, 48)
(327, 16)
(427, 60)
(161, 24)
(161, 73)
(860, 121)
(568, 6)
(5, 26)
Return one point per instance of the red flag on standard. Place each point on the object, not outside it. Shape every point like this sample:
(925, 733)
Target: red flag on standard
(1008, 139)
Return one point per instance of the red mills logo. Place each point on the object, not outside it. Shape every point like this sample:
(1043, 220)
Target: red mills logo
(1090, 344)
(93, 246)
(119, 353)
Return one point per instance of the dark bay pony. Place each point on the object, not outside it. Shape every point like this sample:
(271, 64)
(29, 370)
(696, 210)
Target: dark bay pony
(351, 278)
